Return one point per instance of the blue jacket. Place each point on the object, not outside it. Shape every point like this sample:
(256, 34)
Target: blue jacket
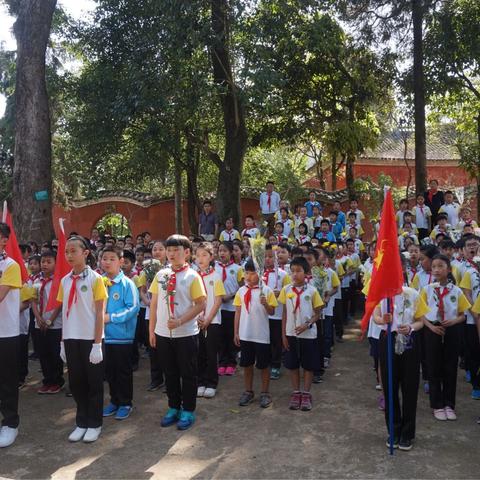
(123, 305)
(329, 236)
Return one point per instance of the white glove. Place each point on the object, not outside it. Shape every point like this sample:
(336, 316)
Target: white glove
(96, 355)
(62, 352)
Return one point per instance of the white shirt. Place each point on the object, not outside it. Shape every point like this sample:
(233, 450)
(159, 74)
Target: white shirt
(253, 232)
(422, 214)
(57, 324)
(452, 210)
(454, 302)
(288, 226)
(234, 275)
(276, 281)
(274, 203)
(10, 305)
(214, 288)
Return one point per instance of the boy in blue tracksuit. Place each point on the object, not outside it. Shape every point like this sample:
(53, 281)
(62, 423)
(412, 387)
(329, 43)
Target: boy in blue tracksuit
(122, 308)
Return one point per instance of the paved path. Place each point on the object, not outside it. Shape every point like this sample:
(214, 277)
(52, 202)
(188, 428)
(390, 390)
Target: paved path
(342, 437)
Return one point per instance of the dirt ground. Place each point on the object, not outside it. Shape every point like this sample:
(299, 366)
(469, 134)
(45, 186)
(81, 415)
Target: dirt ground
(342, 437)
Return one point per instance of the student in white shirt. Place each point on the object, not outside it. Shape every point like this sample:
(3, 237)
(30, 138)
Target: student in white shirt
(359, 216)
(450, 208)
(253, 306)
(402, 208)
(250, 229)
(423, 217)
(178, 297)
(209, 322)
(269, 201)
(229, 234)
(10, 285)
(82, 293)
(303, 218)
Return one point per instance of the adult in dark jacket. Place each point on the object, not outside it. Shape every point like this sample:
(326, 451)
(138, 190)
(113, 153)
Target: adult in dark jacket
(434, 199)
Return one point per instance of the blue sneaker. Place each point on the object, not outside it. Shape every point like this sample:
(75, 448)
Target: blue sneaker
(170, 418)
(468, 377)
(476, 394)
(186, 420)
(123, 412)
(110, 410)
(426, 388)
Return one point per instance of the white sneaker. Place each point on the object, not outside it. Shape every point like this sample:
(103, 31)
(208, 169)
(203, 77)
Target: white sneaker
(209, 393)
(7, 436)
(200, 391)
(92, 434)
(326, 362)
(378, 387)
(77, 434)
(439, 414)
(450, 413)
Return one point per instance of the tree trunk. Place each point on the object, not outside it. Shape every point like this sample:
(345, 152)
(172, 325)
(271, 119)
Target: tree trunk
(230, 170)
(193, 201)
(349, 177)
(178, 198)
(418, 10)
(405, 153)
(334, 172)
(33, 155)
(477, 176)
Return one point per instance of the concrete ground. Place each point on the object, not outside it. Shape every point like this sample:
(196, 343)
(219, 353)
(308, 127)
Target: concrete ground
(342, 437)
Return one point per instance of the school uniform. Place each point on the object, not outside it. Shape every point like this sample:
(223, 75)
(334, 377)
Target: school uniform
(301, 239)
(452, 210)
(9, 341)
(288, 226)
(412, 272)
(25, 296)
(328, 321)
(78, 294)
(231, 275)
(407, 308)
(437, 229)
(350, 282)
(276, 281)
(404, 236)
(346, 230)
(178, 348)
(300, 304)
(359, 216)
(342, 265)
(123, 305)
(252, 232)
(229, 235)
(442, 353)
(254, 327)
(49, 340)
(307, 221)
(309, 206)
(209, 339)
(422, 215)
(328, 236)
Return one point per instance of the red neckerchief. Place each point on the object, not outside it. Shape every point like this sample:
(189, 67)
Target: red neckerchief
(308, 278)
(297, 301)
(430, 196)
(266, 274)
(302, 238)
(72, 296)
(421, 209)
(413, 270)
(229, 232)
(172, 285)
(207, 272)
(44, 283)
(473, 264)
(247, 298)
(224, 269)
(280, 238)
(269, 200)
(441, 296)
(31, 277)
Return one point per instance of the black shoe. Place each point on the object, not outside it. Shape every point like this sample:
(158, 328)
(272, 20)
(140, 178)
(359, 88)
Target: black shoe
(405, 445)
(135, 367)
(154, 386)
(340, 340)
(395, 442)
(68, 393)
(246, 399)
(33, 356)
(317, 379)
(21, 384)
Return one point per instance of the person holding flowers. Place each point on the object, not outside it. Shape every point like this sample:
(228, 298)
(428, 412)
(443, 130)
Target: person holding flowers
(178, 298)
(302, 305)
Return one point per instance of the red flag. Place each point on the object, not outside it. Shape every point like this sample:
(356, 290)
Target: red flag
(62, 268)
(387, 277)
(11, 248)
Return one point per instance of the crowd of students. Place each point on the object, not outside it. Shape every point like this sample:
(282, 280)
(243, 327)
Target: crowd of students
(203, 308)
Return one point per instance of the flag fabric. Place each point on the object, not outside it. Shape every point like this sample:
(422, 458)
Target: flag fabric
(11, 248)
(62, 268)
(387, 277)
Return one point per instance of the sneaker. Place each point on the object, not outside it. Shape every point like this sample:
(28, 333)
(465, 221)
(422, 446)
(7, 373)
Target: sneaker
(405, 445)
(170, 418)
(7, 436)
(21, 384)
(123, 412)
(340, 340)
(77, 434)
(476, 394)
(200, 391)
(426, 388)
(44, 389)
(53, 389)
(274, 374)
(265, 400)
(378, 387)
(186, 420)
(317, 379)
(68, 392)
(306, 403)
(154, 386)
(450, 413)
(295, 401)
(468, 376)
(110, 410)
(381, 403)
(230, 371)
(246, 399)
(221, 371)
(92, 434)
(209, 393)
(439, 414)
(326, 362)
(395, 442)
(135, 367)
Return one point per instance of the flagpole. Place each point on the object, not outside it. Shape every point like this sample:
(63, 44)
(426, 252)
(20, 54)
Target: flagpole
(390, 376)
(4, 212)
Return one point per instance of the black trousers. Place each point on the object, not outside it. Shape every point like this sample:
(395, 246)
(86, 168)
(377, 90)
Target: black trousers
(423, 361)
(156, 368)
(119, 373)
(339, 316)
(32, 332)
(23, 357)
(9, 381)
(346, 300)
(320, 348)
(207, 356)
(141, 335)
(441, 354)
(406, 374)
(86, 383)
(422, 233)
(48, 343)
(472, 354)
(179, 357)
(276, 342)
(228, 350)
